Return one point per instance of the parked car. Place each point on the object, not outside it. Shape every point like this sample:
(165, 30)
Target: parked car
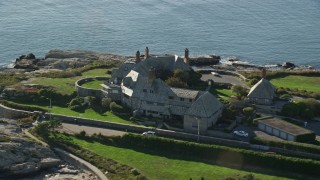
(215, 74)
(241, 133)
(149, 133)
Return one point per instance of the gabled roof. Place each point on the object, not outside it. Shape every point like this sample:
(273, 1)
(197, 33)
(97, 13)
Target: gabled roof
(122, 72)
(204, 106)
(185, 93)
(169, 63)
(262, 90)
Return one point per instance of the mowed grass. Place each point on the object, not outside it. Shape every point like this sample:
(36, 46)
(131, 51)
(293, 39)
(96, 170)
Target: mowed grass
(307, 83)
(159, 167)
(61, 85)
(67, 85)
(96, 72)
(93, 84)
(88, 113)
(224, 94)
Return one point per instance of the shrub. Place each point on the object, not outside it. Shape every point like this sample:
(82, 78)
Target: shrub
(82, 133)
(105, 103)
(176, 82)
(296, 146)
(239, 91)
(117, 108)
(213, 152)
(77, 104)
(285, 96)
(21, 107)
(306, 108)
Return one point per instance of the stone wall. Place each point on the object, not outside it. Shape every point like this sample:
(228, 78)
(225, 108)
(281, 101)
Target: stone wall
(82, 91)
(6, 112)
(140, 129)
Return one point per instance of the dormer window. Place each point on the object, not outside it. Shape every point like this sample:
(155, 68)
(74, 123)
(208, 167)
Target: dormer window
(190, 100)
(151, 91)
(144, 90)
(181, 99)
(170, 97)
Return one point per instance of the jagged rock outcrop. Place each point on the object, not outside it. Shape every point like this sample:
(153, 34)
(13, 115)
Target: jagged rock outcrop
(288, 65)
(20, 156)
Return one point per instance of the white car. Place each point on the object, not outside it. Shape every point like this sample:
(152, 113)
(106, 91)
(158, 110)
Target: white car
(215, 74)
(241, 133)
(149, 133)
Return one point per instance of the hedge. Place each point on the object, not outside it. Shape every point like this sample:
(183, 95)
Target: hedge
(296, 146)
(21, 107)
(214, 153)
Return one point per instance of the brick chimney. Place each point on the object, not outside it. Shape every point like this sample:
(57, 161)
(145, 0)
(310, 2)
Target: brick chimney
(146, 53)
(186, 56)
(138, 57)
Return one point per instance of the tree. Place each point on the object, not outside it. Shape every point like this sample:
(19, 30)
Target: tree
(239, 91)
(176, 82)
(43, 129)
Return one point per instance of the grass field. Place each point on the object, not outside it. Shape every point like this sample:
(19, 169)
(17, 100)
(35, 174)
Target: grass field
(93, 84)
(88, 113)
(307, 83)
(224, 94)
(66, 85)
(159, 167)
(96, 72)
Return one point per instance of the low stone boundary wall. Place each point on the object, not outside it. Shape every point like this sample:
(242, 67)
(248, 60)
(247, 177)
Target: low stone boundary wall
(6, 112)
(140, 129)
(83, 91)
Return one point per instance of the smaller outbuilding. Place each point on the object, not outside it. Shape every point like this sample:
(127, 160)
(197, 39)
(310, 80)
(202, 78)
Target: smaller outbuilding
(262, 93)
(286, 130)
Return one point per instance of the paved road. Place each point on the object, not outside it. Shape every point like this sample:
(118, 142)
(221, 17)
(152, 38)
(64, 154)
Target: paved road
(74, 128)
(223, 79)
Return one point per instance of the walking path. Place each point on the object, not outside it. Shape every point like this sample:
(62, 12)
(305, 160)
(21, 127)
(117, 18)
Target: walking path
(70, 157)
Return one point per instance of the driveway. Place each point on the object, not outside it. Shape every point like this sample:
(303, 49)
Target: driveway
(74, 128)
(224, 79)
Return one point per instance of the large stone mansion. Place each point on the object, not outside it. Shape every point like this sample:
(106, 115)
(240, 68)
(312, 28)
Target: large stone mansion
(136, 84)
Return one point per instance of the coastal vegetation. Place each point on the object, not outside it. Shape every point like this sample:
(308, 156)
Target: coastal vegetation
(305, 108)
(300, 83)
(162, 158)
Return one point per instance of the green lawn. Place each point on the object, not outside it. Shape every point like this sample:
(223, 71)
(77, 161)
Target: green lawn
(93, 84)
(61, 85)
(96, 72)
(88, 113)
(307, 83)
(91, 114)
(224, 94)
(67, 85)
(159, 167)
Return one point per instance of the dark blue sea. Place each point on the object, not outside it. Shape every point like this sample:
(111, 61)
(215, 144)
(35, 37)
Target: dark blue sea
(259, 32)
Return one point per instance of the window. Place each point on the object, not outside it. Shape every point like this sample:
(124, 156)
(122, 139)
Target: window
(170, 97)
(151, 91)
(190, 100)
(181, 99)
(144, 90)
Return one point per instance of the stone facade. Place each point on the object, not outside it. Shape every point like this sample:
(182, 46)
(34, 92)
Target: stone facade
(140, 89)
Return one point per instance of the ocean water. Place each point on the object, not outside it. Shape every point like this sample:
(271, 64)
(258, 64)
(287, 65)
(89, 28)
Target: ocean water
(260, 32)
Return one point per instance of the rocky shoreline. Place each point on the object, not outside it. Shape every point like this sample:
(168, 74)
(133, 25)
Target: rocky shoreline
(65, 59)
(22, 158)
